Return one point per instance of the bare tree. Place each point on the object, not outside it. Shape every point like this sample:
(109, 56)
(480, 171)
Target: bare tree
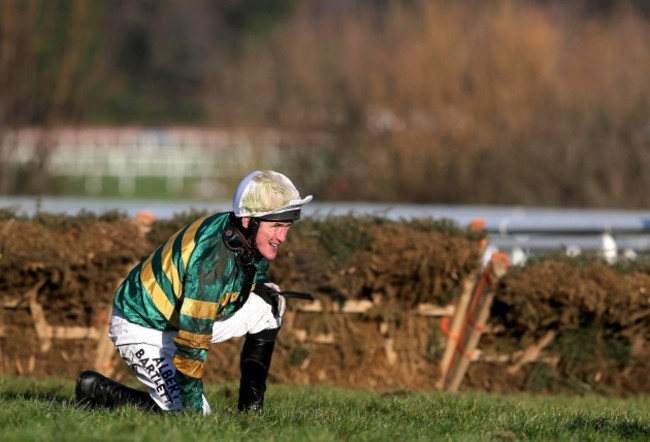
(49, 59)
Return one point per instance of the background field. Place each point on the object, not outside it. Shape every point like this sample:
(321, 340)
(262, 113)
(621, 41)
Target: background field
(44, 410)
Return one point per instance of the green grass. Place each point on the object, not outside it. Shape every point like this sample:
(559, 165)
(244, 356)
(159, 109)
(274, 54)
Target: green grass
(108, 187)
(43, 410)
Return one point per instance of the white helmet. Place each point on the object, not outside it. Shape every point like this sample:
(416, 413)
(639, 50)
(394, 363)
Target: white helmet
(268, 195)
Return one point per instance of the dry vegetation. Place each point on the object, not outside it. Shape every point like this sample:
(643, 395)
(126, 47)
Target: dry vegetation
(562, 326)
(456, 102)
(506, 102)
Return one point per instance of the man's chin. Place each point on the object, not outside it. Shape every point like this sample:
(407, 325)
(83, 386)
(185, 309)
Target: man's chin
(270, 254)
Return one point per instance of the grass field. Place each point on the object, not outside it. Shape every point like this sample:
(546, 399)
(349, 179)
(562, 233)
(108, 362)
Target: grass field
(43, 410)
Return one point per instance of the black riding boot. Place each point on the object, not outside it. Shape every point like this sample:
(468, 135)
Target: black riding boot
(95, 390)
(255, 362)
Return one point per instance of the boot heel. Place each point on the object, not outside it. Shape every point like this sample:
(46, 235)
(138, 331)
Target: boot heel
(93, 390)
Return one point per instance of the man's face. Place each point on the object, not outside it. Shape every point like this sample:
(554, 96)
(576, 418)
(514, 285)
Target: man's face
(269, 236)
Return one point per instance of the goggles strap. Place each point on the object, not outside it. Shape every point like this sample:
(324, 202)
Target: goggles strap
(241, 243)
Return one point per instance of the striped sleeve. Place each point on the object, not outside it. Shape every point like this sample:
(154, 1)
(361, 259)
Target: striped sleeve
(162, 273)
(196, 315)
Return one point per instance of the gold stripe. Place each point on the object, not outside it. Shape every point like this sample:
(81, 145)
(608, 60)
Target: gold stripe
(169, 268)
(157, 294)
(193, 340)
(189, 367)
(199, 309)
(188, 240)
(229, 297)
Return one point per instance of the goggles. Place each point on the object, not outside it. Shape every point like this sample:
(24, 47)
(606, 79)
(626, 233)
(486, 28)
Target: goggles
(235, 241)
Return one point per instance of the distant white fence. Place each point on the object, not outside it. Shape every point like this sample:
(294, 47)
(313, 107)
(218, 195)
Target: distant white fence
(125, 154)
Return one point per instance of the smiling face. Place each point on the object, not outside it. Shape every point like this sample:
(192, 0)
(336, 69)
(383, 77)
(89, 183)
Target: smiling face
(269, 236)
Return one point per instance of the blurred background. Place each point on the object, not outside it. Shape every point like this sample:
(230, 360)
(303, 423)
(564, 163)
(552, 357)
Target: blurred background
(513, 102)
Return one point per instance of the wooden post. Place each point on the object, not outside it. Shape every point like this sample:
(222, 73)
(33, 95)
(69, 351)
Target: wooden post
(43, 329)
(460, 313)
(477, 317)
(459, 320)
(105, 350)
(470, 342)
(532, 353)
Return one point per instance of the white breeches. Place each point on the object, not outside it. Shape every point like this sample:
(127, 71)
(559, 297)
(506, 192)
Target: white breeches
(150, 353)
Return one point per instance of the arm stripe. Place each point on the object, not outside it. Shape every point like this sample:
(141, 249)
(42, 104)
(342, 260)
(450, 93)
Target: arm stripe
(156, 293)
(199, 309)
(167, 264)
(189, 367)
(193, 340)
(188, 240)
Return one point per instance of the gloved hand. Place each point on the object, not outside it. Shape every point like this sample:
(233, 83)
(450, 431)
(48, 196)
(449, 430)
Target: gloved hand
(270, 292)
